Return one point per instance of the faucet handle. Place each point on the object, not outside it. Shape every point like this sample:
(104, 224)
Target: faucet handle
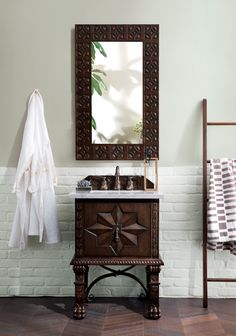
(130, 184)
(104, 185)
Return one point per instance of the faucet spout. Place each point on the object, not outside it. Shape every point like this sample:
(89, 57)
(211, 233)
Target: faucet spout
(117, 171)
(117, 178)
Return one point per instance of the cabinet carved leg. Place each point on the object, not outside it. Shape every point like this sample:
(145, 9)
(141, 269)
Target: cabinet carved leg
(81, 283)
(153, 311)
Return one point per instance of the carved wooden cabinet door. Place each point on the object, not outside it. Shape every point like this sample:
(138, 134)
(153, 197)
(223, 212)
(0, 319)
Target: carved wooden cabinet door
(116, 229)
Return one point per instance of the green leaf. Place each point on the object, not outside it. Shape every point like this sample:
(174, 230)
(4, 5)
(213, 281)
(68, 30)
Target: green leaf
(97, 77)
(100, 81)
(103, 86)
(96, 86)
(99, 71)
(100, 48)
(93, 52)
(94, 125)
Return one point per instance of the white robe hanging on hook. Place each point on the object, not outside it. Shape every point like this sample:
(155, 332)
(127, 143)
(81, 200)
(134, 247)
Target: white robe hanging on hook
(36, 212)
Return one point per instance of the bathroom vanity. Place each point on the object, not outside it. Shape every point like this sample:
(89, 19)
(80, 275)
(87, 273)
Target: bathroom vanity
(117, 118)
(116, 227)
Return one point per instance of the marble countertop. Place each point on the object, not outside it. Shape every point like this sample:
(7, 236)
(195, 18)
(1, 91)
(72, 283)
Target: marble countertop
(116, 194)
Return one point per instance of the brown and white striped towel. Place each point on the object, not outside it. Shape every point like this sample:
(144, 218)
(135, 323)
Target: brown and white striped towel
(222, 205)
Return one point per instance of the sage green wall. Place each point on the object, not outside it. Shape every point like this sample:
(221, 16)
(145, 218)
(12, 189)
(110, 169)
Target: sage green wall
(197, 59)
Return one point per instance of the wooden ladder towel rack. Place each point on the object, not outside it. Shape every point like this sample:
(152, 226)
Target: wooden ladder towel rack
(205, 123)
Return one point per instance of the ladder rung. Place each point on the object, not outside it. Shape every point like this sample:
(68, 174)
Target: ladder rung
(221, 123)
(221, 279)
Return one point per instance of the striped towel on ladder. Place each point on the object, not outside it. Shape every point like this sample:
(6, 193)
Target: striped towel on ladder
(222, 205)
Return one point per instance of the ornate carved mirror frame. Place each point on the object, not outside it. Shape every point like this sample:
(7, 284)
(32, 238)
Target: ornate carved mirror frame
(84, 35)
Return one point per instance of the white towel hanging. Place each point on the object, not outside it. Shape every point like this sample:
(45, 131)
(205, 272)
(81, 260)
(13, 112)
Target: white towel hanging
(36, 212)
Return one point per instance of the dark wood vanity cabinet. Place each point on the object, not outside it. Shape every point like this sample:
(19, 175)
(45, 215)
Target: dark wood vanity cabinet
(117, 232)
(117, 228)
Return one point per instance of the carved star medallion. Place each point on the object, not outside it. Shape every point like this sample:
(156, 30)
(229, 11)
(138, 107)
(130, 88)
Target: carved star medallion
(116, 229)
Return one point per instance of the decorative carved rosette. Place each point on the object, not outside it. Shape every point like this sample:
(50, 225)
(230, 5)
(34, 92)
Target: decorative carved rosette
(118, 152)
(116, 229)
(101, 152)
(135, 152)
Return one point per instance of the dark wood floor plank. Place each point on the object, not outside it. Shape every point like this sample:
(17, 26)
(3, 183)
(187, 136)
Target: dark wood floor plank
(92, 325)
(116, 317)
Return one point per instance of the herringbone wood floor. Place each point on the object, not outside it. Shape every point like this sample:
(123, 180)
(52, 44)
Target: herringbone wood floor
(116, 317)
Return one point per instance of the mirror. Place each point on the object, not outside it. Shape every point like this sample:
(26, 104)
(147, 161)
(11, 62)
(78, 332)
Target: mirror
(116, 91)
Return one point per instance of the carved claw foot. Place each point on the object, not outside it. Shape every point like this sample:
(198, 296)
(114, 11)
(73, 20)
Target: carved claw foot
(153, 312)
(81, 282)
(79, 311)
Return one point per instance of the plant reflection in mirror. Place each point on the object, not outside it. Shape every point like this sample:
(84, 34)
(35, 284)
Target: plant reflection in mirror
(97, 83)
(138, 129)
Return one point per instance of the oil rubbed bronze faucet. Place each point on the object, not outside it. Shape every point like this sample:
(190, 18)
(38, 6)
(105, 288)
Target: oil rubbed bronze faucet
(117, 178)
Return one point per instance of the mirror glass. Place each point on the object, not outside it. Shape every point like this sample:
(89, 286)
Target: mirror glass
(117, 92)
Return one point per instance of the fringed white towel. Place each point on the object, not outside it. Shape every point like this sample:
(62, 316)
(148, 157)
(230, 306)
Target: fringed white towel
(222, 205)
(36, 212)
